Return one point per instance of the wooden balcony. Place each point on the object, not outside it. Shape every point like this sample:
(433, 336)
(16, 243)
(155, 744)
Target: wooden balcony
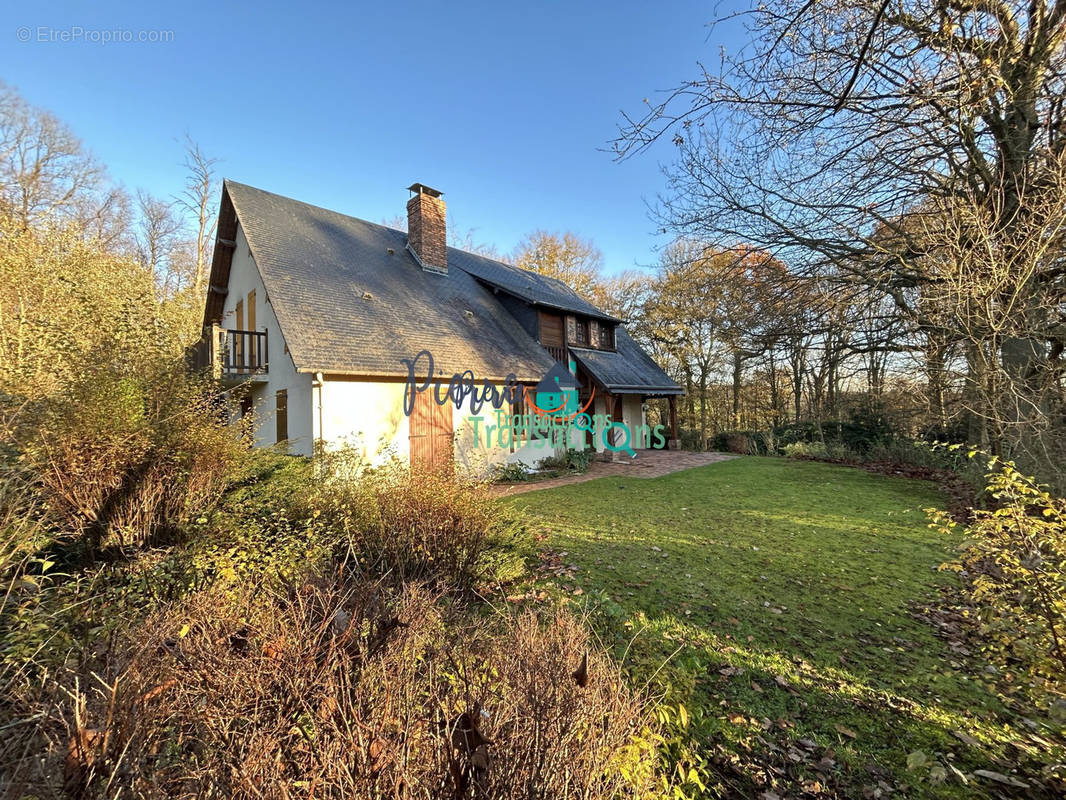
(232, 355)
(558, 353)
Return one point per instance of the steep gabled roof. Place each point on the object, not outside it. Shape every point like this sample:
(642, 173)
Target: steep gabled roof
(532, 287)
(628, 370)
(350, 298)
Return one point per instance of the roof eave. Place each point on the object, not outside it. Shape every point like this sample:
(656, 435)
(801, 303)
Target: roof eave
(661, 390)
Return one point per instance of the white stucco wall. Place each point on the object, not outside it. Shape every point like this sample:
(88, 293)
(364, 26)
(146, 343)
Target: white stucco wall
(281, 373)
(363, 415)
(368, 417)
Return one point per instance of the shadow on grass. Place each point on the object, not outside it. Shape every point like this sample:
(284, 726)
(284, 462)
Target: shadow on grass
(787, 590)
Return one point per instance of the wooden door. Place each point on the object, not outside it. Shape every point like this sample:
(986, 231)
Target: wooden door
(431, 436)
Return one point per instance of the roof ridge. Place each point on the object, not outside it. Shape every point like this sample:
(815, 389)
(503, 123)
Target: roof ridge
(231, 182)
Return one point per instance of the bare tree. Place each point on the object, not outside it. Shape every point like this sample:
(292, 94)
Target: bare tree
(198, 201)
(848, 132)
(46, 175)
(159, 231)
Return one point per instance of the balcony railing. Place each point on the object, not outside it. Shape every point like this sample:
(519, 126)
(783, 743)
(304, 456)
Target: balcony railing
(558, 353)
(232, 353)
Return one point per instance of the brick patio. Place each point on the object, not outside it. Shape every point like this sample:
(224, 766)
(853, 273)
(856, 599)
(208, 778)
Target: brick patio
(648, 464)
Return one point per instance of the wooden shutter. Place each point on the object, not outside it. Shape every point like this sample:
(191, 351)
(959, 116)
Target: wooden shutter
(251, 310)
(281, 414)
(431, 436)
(238, 340)
(571, 329)
(551, 330)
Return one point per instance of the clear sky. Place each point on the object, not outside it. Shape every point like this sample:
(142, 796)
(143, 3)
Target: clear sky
(506, 107)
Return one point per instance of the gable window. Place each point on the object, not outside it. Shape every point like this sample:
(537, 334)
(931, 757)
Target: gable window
(281, 414)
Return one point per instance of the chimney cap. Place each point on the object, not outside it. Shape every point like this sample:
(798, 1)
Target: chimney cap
(421, 188)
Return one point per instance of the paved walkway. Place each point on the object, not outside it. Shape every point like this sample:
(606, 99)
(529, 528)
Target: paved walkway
(647, 464)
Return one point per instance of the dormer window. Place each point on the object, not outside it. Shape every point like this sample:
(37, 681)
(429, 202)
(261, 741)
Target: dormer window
(606, 341)
(577, 332)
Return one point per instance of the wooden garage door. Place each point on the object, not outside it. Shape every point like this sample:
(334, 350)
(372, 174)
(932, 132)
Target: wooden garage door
(431, 432)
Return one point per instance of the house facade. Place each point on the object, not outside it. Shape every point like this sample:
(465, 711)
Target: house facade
(333, 331)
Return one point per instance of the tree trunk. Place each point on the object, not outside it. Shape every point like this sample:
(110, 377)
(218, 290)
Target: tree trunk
(738, 372)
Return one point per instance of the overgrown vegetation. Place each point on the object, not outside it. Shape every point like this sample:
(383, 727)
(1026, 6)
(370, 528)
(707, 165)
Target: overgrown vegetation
(341, 686)
(1014, 563)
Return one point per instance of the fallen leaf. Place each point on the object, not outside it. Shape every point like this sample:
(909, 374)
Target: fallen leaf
(916, 760)
(999, 777)
(846, 731)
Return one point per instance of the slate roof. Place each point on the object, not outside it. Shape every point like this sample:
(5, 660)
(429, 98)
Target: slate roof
(318, 266)
(534, 288)
(348, 305)
(627, 370)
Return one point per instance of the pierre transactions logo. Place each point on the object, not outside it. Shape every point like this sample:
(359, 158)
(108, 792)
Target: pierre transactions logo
(549, 414)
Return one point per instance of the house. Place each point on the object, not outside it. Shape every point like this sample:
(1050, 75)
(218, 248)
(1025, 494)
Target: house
(326, 324)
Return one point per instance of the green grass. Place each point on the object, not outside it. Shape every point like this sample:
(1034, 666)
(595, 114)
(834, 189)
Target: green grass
(784, 591)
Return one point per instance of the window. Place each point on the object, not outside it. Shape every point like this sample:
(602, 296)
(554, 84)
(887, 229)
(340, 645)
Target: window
(606, 336)
(281, 414)
(577, 331)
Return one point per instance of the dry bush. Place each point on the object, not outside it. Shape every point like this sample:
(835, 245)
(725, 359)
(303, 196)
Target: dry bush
(345, 688)
(121, 458)
(739, 443)
(415, 524)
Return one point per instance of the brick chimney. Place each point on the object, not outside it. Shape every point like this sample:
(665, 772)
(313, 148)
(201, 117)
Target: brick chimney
(427, 232)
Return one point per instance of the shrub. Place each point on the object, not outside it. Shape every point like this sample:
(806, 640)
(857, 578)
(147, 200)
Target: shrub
(690, 439)
(753, 443)
(571, 460)
(579, 460)
(124, 458)
(738, 443)
(1015, 559)
(347, 688)
(805, 450)
(556, 462)
(412, 524)
(515, 472)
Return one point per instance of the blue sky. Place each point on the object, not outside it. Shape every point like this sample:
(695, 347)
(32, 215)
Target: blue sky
(506, 107)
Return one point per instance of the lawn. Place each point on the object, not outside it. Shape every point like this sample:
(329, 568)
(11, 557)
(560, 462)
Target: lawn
(781, 596)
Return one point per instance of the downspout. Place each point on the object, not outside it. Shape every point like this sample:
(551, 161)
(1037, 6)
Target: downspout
(319, 380)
